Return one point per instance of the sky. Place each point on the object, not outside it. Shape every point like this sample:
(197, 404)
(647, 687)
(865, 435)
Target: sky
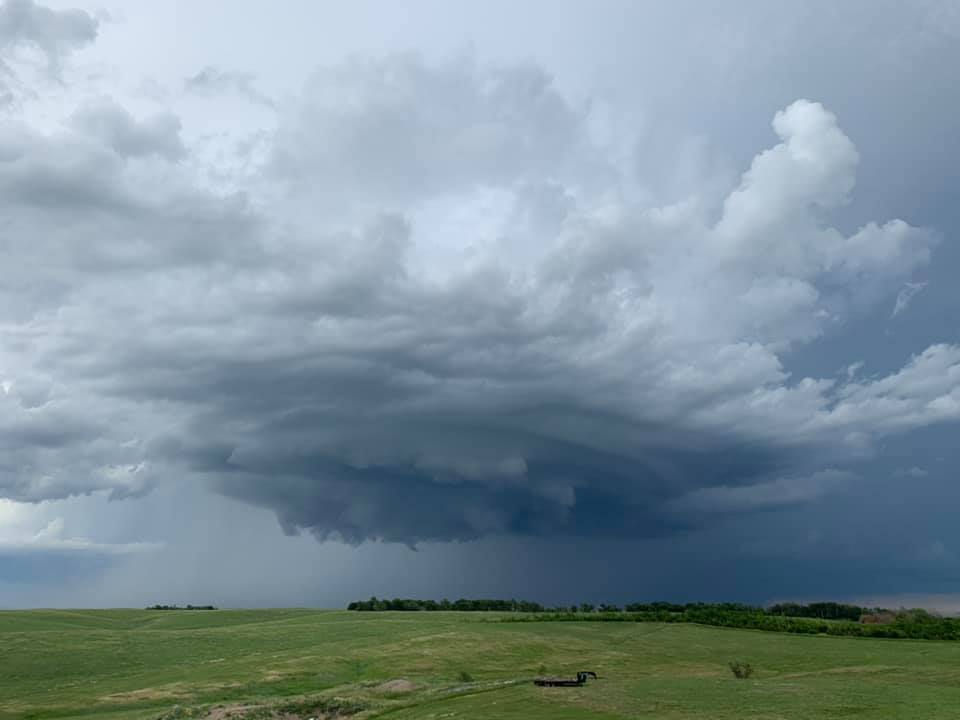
(615, 301)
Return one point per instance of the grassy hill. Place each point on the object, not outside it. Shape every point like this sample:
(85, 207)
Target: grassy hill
(113, 664)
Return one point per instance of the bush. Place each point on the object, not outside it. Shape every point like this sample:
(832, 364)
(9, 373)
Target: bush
(740, 670)
(464, 676)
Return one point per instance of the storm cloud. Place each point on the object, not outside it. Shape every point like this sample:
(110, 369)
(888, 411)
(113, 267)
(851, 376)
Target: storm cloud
(443, 299)
(390, 371)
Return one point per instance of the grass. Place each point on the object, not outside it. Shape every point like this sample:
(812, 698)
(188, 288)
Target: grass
(138, 665)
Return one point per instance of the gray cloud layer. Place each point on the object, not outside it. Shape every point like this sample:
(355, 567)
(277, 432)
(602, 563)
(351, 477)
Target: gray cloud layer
(212, 81)
(112, 125)
(442, 308)
(55, 33)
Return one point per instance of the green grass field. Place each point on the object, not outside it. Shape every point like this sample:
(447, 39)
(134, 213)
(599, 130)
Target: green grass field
(113, 664)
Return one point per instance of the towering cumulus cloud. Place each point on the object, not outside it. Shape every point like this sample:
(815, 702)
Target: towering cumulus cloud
(435, 309)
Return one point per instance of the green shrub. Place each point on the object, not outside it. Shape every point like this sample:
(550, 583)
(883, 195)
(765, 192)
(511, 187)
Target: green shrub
(740, 670)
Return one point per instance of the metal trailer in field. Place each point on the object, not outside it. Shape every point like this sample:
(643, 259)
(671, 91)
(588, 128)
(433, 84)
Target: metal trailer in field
(565, 682)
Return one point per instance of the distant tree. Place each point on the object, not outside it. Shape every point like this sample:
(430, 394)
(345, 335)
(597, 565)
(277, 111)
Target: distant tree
(177, 607)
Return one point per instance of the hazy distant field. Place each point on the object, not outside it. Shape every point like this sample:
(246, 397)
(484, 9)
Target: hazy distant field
(135, 664)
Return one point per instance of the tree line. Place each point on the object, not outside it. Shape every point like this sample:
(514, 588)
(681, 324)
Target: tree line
(181, 607)
(914, 624)
(823, 611)
(375, 604)
(837, 619)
